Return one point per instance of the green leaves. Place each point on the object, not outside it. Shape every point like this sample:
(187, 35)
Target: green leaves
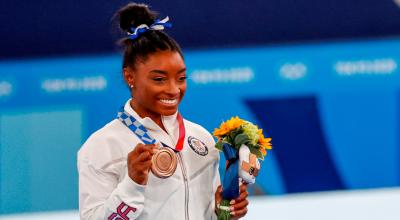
(237, 141)
(241, 139)
(224, 214)
(256, 151)
(236, 138)
(219, 144)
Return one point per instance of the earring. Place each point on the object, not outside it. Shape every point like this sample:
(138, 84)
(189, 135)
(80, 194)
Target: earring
(131, 86)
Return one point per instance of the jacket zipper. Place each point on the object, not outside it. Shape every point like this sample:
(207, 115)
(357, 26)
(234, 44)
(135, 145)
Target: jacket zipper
(185, 180)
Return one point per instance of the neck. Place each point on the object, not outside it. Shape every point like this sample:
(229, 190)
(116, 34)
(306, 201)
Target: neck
(144, 113)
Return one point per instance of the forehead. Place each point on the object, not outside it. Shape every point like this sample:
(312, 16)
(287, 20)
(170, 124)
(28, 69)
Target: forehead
(162, 60)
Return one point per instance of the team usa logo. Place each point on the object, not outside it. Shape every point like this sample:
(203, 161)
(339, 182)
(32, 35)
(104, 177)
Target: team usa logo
(124, 212)
(197, 146)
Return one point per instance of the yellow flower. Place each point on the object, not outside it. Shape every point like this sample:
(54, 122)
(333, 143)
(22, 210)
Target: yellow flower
(228, 126)
(254, 134)
(264, 142)
(263, 151)
(259, 132)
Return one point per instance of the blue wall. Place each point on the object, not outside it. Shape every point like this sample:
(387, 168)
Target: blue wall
(332, 110)
(46, 28)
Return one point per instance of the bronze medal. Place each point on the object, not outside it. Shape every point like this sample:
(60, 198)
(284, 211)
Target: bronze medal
(164, 162)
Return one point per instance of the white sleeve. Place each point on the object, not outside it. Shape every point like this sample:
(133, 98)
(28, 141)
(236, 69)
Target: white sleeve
(102, 197)
(217, 179)
(216, 183)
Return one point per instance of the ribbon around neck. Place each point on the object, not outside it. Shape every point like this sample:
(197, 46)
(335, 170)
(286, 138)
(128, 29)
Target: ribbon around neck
(141, 132)
(157, 25)
(230, 185)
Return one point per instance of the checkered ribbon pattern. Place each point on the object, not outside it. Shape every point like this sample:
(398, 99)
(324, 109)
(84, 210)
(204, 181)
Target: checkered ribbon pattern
(135, 126)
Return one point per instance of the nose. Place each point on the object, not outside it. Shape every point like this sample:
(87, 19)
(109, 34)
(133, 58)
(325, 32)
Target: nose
(172, 88)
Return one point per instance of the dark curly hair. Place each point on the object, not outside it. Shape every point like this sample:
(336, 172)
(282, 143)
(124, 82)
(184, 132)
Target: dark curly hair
(151, 41)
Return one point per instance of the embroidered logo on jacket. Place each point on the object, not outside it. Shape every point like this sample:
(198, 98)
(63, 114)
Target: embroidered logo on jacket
(197, 146)
(123, 211)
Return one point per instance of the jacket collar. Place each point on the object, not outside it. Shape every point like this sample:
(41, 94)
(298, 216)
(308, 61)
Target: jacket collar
(170, 123)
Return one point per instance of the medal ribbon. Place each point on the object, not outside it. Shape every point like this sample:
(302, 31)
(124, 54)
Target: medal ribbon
(141, 132)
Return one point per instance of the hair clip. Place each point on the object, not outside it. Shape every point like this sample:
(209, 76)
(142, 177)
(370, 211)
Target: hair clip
(157, 25)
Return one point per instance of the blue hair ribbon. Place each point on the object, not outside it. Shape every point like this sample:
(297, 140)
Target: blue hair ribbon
(157, 25)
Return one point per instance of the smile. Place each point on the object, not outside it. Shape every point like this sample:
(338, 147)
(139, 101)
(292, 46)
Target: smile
(169, 101)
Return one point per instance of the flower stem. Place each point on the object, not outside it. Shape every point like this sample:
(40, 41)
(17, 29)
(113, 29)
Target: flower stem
(224, 214)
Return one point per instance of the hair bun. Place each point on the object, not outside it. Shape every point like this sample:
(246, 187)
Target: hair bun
(134, 14)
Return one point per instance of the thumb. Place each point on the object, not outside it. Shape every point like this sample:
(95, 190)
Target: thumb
(218, 194)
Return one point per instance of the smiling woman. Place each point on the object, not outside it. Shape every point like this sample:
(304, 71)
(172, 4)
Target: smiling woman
(158, 84)
(150, 163)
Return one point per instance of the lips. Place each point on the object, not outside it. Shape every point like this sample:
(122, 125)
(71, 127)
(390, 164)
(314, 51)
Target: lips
(170, 102)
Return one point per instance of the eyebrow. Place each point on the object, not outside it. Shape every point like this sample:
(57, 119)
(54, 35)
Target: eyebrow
(165, 73)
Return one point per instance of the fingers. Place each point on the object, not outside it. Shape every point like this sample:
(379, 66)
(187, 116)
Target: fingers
(239, 209)
(144, 156)
(239, 213)
(219, 189)
(140, 148)
(243, 187)
(218, 194)
(242, 196)
(239, 205)
(139, 162)
(144, 166)
(142, 152)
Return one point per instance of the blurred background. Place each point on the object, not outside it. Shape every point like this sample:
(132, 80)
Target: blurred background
(321, 77)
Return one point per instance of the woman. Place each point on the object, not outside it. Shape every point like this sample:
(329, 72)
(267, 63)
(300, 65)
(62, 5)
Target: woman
(120, 176)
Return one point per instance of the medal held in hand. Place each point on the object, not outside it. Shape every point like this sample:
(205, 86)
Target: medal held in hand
(164, 162)
(243, 144)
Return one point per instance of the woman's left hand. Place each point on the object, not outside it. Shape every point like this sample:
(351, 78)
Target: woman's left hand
(238, 206)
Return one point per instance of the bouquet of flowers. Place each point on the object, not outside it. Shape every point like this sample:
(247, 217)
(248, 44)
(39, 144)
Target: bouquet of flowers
(243, 143)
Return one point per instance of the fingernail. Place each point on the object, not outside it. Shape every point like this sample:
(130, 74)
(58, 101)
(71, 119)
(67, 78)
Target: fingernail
(232, 202)
(232, 208)
(232, 213)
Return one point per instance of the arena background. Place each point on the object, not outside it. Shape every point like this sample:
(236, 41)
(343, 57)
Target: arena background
(322, 78)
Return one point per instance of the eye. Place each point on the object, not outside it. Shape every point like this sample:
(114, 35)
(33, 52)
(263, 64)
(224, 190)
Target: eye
(159, 79)
(182, 78)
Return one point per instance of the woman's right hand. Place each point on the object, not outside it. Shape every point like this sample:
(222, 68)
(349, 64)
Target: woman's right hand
(139, 162)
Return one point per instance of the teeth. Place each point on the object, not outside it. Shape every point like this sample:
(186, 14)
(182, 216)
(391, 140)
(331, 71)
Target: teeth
(169, 101)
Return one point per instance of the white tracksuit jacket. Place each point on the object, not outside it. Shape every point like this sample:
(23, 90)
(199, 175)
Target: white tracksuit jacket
(107, 192)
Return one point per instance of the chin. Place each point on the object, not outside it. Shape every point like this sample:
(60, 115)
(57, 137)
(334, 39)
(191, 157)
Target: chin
(168, 112)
